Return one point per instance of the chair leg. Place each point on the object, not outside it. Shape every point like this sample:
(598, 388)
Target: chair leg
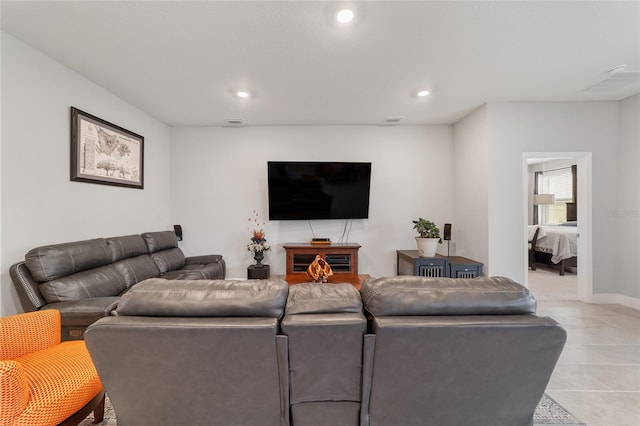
(96, 405)
(98, 411)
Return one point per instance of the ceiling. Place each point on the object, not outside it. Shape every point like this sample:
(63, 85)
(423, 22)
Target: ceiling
(180, 61)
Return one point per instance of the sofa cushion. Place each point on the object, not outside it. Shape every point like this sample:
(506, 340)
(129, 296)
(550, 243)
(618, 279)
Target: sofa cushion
(97, 282)
(318, 298)
(168, 260)
(136, 269)
(205, 298)
(127, 246)
(157, 241)
(51, 262)
(411, 295)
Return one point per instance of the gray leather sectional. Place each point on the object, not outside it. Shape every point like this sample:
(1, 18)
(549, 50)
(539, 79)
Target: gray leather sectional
(85, 279)
(403, 351)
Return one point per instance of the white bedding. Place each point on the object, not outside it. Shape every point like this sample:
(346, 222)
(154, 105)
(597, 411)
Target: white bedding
(560, 241)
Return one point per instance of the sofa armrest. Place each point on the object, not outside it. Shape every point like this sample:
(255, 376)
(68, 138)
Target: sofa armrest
(77, 315)
(25, 333)
(86, 311)
(207, 258)
(15, 388)
(213, 265)
(325, 327)
(27, 287)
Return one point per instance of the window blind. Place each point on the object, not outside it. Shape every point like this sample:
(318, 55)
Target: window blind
(559, 183)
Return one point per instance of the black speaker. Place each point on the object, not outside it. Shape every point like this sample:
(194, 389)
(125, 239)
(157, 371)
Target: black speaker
(447, 231)
(178, 230)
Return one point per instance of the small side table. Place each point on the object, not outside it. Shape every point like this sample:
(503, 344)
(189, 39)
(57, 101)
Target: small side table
(461, 267)
(410, 263)
(258, 272)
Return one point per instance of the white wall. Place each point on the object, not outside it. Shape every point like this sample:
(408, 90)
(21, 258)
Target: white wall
(470, 161)
(210, 179)
(627, 208)
(515, 128)
(219, 177)
(40, 205)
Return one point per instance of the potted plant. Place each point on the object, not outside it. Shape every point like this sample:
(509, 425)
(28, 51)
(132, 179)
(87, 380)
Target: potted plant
(429, 237)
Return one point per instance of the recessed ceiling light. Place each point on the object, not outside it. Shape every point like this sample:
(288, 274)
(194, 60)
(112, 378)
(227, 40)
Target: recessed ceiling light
(345, 16)
(243, 93)
(423, 92)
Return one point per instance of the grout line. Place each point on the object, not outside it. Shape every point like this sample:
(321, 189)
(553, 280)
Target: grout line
(602, 344)
(559, 298)
(600, 364)
(590, 391)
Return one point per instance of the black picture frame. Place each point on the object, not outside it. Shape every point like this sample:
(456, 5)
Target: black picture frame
(104, 153)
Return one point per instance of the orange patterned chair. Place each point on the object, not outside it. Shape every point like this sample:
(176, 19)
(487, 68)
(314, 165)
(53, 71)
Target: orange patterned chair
(43, 381)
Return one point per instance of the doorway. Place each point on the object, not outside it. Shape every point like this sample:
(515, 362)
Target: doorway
(584, 219)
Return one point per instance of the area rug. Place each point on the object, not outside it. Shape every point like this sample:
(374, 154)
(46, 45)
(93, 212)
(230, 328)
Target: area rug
(548, 412)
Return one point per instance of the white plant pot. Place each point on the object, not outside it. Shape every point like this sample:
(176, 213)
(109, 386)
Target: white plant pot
(427, 246)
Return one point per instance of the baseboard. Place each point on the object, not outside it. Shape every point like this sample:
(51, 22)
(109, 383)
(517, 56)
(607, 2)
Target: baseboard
(616, 299)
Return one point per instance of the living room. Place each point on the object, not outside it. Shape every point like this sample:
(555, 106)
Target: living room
(210, 177)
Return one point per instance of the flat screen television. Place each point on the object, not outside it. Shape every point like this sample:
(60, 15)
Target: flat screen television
(318, 190)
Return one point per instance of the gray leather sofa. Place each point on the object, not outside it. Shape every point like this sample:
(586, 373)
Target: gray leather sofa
(403, 351)
(84, 279)
(455, 352)
(195, 353)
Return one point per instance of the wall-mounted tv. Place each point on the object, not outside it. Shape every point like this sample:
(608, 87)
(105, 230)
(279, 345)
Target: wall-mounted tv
(318, 190)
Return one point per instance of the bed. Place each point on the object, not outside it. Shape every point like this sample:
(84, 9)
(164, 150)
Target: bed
(558, 243)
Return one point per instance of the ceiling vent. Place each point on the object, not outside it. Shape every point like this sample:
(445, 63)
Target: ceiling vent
(393, 119)
(234, 122)
(618, 78)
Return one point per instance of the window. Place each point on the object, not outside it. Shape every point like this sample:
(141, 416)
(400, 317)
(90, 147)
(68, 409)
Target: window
(559, 183)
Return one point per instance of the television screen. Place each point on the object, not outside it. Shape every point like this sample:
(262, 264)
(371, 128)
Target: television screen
(318, 190)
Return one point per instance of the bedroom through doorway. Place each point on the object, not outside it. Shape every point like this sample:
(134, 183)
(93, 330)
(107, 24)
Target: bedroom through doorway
(557, 197)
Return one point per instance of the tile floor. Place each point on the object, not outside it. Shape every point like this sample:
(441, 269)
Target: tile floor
(597, 377)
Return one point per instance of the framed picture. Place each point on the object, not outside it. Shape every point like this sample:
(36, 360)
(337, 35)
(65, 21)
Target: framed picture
(104, 153)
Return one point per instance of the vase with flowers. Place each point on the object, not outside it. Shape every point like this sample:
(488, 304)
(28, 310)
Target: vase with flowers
(258, 244)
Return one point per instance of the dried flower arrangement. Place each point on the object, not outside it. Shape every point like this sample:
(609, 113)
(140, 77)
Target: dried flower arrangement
(258, 240)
